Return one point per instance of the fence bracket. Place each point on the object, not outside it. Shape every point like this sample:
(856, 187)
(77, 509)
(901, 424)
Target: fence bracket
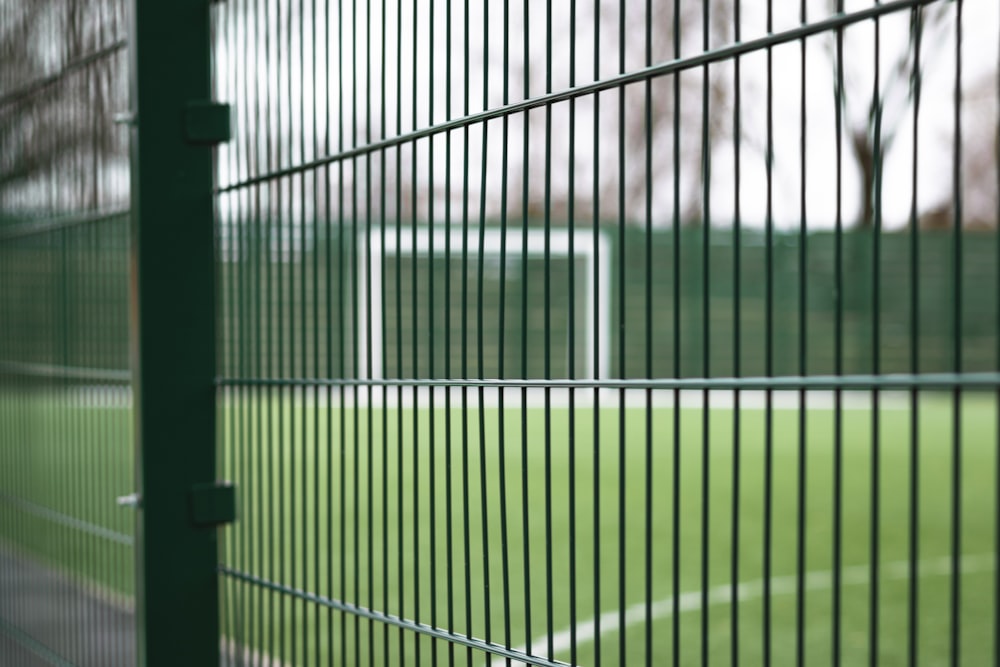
(213, 504)
(206, 123)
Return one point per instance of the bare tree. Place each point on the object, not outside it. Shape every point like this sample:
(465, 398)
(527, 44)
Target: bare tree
(981, 154)
(61, 76)
(873, 118)
(640, 121)
(666, 110)
(980, 161)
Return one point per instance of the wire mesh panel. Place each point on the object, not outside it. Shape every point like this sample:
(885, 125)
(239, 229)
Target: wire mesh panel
(609, 332)
(65, 404)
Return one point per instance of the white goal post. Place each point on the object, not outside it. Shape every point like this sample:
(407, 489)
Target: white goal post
(596, 281)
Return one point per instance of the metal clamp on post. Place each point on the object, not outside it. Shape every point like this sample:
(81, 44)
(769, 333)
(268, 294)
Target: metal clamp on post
(213, 504)
(206, 123)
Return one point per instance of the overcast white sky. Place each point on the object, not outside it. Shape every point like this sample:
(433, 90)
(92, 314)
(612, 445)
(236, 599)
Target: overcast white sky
(374, 65)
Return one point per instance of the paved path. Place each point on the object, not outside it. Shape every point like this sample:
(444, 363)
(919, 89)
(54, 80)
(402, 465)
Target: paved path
(46, 618)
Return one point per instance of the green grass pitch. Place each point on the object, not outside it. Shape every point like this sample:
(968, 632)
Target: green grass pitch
(385, 495)
(367, 506)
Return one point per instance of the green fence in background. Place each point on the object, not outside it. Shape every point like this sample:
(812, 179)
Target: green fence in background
(66, 292)
(92, 332)
(933, 291)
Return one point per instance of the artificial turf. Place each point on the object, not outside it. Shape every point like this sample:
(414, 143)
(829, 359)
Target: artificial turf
(370, 507)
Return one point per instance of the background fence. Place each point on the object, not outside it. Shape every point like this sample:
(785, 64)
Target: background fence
(896, 266)
(40, 333)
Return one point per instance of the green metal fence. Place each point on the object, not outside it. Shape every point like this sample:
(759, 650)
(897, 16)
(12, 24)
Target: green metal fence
(511, 373)
(582, 333)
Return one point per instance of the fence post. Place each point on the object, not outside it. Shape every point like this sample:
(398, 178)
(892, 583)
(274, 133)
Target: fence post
(173, 332)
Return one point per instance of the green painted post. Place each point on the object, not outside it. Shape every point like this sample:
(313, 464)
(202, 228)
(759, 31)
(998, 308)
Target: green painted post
(173, 332)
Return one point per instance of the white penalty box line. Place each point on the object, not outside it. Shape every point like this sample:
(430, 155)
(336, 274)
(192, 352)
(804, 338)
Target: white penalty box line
(695, 601)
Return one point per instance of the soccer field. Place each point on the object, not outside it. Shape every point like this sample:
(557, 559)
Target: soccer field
(541, 530)
(516, 530)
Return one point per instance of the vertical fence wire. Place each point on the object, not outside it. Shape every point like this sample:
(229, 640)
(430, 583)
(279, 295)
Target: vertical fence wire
(913, 601)
(802, 469)
(838, 439)
(957, 259)
(876, 459)
(737, 315)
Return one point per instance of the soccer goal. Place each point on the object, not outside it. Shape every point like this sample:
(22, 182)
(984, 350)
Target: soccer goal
(592, 287)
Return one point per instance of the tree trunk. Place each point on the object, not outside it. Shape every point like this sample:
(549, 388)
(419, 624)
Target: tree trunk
(864, 153)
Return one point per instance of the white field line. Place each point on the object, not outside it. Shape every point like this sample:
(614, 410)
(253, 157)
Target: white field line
(856, 575)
